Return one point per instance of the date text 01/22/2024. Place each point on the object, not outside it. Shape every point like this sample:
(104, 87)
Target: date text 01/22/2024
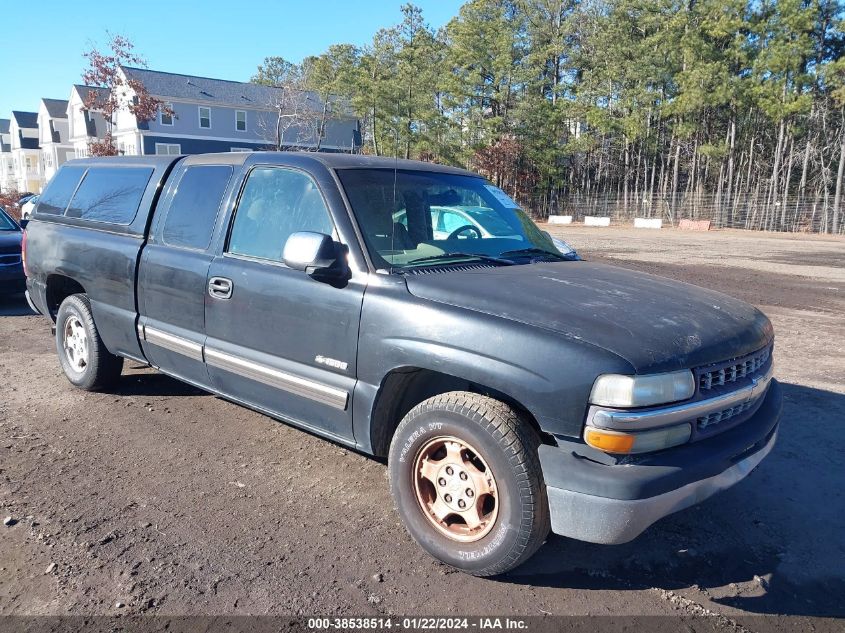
(418, 623)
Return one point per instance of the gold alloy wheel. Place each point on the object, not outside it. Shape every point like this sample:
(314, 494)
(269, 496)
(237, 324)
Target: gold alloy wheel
(456, 489)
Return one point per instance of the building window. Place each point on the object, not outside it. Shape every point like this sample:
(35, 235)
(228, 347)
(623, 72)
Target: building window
(240, 120)
(205, 118)
(166, 118)
(170, 149)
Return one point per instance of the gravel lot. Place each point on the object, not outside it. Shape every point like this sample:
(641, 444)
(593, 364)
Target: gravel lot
(163, 499)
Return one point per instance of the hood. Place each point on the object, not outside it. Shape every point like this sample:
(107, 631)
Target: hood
(10, 241)
(655, 323)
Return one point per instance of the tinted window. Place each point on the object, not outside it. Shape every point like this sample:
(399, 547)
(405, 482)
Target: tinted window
(6, 223)
(190, 220)
(276, 203)
(58, 192)
(110, 194)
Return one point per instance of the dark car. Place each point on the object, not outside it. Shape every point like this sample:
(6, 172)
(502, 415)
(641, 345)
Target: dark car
(513, 389)
(12, 277)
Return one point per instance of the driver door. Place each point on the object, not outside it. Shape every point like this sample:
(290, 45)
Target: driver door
(277, 339)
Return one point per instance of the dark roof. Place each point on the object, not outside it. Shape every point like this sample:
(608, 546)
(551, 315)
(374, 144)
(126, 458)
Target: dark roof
(25, 119)
(56, 108)
(83, 91)
(29, 143)
(329, 159)
(4, 126)
(222, 91)
(350, 161)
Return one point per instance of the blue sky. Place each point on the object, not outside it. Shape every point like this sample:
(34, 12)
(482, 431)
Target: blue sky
(42, 42)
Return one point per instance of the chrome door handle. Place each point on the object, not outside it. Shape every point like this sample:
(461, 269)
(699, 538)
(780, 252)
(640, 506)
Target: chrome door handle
(220, 287)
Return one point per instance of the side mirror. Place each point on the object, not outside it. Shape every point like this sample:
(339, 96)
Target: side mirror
(23, 223)
(316, 254)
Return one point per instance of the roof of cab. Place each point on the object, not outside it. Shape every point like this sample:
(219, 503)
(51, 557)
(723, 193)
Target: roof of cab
(123, 161)
(329, 160)
(359, 161)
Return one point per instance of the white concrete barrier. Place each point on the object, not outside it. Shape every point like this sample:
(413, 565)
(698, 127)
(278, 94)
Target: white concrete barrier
(590, 220)
(560, 219)
(648, 223)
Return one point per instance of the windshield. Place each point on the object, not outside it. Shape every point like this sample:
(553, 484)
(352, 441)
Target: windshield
(435, 218)
(6, 223)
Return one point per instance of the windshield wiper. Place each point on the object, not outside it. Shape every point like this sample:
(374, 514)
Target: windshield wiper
(535, 251)
(486, 258)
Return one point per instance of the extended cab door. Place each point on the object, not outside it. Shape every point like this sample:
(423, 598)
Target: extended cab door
(278, 339)
(173, 273)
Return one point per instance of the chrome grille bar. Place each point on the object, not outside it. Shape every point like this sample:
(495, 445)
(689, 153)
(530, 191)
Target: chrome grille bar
(733, 371)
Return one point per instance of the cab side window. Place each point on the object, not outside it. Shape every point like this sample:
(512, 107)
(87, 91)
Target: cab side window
(193, 210)
(276, 203)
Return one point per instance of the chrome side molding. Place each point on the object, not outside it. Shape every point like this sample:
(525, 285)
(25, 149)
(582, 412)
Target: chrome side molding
(272, 377)
(317, 391)
(171, 342)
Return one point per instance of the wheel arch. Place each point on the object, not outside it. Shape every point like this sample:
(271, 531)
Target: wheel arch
(58, 288)
(405, 387)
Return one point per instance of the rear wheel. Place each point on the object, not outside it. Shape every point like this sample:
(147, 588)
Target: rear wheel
(83, 356)
(467, 483)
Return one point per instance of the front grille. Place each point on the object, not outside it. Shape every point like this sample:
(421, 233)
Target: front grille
(731, 371)
(723, 416)
(10, 260)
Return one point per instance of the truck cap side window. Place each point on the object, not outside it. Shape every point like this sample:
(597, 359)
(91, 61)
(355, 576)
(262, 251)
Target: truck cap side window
(110, 194)
(56, 196)
(193, 211)
(276, 203)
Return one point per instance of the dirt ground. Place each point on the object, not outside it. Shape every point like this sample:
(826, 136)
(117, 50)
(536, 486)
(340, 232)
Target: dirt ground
(158, 498)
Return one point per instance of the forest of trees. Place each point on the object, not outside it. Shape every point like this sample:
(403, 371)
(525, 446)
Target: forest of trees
(729, 110)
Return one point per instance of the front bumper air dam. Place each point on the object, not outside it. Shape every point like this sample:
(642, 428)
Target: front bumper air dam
(651, 489)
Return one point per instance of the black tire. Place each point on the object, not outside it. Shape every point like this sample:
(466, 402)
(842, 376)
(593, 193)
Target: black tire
(101, 368)
(507, 444)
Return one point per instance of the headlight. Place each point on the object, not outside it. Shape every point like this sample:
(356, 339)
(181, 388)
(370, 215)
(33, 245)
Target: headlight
(643, 442)
(614, 390)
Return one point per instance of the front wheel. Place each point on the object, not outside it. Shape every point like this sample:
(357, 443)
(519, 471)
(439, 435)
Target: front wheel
(466, 480)
(83, 356)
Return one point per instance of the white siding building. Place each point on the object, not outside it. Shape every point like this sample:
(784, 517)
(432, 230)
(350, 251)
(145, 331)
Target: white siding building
(53, 135)
(7, 164)
(84, 125)
(26, 154)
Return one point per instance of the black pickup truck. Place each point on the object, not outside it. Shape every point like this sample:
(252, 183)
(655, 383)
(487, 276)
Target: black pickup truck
(415, 313)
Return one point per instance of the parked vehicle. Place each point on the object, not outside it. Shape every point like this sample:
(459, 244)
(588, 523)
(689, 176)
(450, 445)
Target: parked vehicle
(23, 199)
(472, 222)
(28, 207)
(12, 278)
(512, 389)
